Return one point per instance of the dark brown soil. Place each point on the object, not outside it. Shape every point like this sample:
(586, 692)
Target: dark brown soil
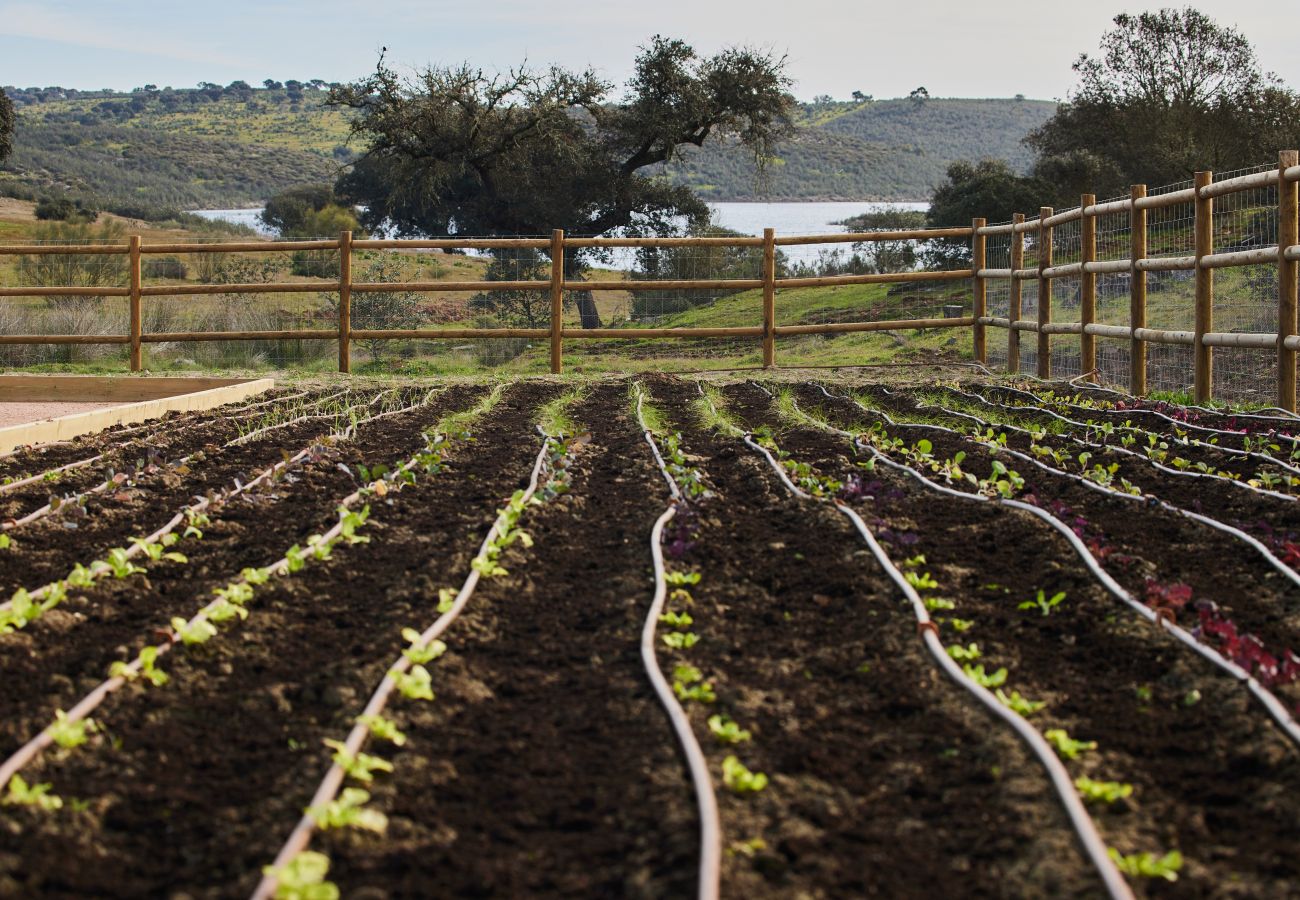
(545, 766)
(67, 651)
(1204, 760)
(875, 758)
(193, 787)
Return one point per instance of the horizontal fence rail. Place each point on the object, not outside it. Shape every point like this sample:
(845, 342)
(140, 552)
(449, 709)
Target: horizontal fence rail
(1034, 238)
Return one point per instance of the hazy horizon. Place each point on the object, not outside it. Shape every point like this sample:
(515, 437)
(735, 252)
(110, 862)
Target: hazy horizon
(832, 47)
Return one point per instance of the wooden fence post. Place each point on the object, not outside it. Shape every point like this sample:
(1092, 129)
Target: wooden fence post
(345, 301)
(1203, 356)
(1044, 294)
(136, 316)
(1137, 293)
(557, 301)
(979, 290)
(1288, 235)
(1087, 287)
(769, 298)
(1014, 298)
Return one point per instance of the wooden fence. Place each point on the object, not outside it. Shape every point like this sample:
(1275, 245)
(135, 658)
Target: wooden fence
(1285, 254)
(557, 286)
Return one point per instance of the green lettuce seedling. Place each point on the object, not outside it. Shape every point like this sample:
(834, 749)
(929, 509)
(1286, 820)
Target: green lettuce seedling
(348, 812)
(383, 728)
(1066, 745)
(969, 652)
(1043, 602)
(1102, 791)
(681, 641)
(677, 620)
(20, 793)
(196, 632)
(740, 780)
(727, 731)
(67, 733)
(681, 579)
(417, 684)
(303, 878)
(983, 679)
(1146, 865)
(1019, 704)
(420, 655)
(362, 766)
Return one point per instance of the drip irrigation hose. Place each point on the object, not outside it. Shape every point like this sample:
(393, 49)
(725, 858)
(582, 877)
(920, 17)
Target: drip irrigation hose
(1254, 543)
(33, 748)
(203, 503)
(15, 485)
(1277, 495)
(1084, 828)
(710, 873)
(1185, 425)
(1285, 416)
(300, 838)
(1271, 703)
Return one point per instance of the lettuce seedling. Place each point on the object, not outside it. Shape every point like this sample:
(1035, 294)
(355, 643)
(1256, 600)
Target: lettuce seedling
(67, 733)
(983, 679)
(700, 693)
(362, 766)
(148, 669)
(446, 600)
(20, 793)
(1043, 602)
(156, 550)
(1066, 745)
(6, 542)
(961, 625)
(80, 577)
(196, 632)
(681, 579)
(687, 674)
(303, 878)
(255, 576)
(237, 593)
(295, 559)
(970, 651)
(348, 812)
(383, 728)
(727, 731)
(350, 521)
(938, 603)
(1102, 791)
(224, 611)
(681, 641)
(120, 565)
(677, 620)
(923, 582)
(739, 780)
(1146, 865)
(1018, 704)
(417, 684)
(417, 654)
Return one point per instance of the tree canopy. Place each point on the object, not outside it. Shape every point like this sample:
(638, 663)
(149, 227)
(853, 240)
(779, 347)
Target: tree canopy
(457, 150)
(6, 126)
(1170, 92)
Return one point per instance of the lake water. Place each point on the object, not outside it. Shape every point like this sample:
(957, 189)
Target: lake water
(747, 218)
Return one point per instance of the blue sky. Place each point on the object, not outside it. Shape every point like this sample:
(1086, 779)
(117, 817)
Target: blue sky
(960, 49)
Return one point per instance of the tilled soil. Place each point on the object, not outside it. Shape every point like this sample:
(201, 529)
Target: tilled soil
(873, 755)
(192, 787)
(67, 651)
(1186, 737)
(545, 765)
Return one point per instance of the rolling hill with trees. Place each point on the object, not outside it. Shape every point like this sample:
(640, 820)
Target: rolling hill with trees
(153, 151)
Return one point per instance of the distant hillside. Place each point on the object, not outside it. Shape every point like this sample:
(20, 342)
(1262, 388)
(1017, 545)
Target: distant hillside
(151, 150)
(876, 150)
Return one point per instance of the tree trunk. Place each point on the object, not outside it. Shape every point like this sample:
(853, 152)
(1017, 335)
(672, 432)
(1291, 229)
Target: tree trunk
(587, 311)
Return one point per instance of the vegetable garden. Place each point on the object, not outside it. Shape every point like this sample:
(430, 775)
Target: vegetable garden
(655, 637)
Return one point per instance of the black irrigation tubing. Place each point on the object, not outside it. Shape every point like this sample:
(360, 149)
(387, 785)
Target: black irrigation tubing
(1277, 495)
(710, 873)
(1029, 395)
(1275, 708)
(1286, 571)
(1084, 827)
(300, 838)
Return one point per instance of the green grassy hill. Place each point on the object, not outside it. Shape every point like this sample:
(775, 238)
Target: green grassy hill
(150, 151)
(876, 150)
